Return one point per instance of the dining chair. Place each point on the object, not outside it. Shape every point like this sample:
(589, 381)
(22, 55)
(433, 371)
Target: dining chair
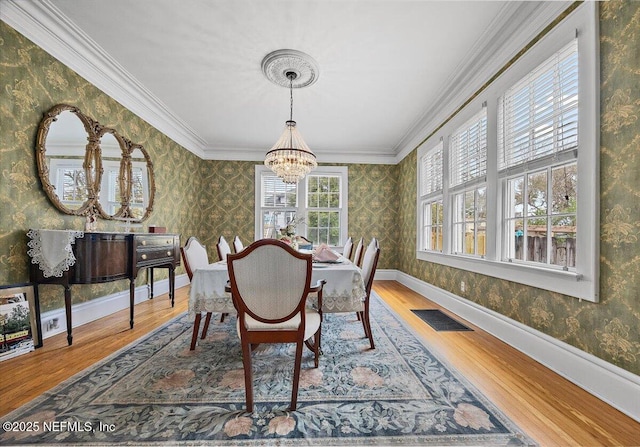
(270, 282)
(194, 255)
(237, 245)
(369, 265)
(223, 248)
(348, 248)
(357, 256)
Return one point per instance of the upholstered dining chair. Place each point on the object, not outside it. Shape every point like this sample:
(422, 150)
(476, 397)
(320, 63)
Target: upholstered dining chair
(194, 255)
(270, 282)
(369, 265)
(237, 244)
(223, 248)
(357, 255)
(348, 248)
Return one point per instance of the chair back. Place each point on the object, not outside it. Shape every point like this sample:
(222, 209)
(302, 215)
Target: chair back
(194, 255)
(269, 280)
(370, 263)
(348, 248)
(237, 245)
(357, 256)
(223, 248)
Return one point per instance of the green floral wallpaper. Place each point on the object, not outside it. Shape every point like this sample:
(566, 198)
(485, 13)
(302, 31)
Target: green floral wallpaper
(609, 329)
(210, 198)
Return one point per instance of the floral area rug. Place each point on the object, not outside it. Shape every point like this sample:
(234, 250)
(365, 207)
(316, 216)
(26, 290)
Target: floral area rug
(157, 392)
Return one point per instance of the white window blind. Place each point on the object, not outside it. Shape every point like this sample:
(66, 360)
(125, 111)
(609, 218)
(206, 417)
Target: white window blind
(468, 150)
(276, 193)
(431, 171)
(538, 116)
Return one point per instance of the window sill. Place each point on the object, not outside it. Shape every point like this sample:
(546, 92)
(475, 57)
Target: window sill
(560, 281)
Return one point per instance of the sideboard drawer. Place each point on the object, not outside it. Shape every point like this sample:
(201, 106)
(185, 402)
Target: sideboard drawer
(154, 241)
(156, 249)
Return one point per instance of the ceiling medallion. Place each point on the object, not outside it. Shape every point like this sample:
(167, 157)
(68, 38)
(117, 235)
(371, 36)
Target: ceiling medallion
(277, 64)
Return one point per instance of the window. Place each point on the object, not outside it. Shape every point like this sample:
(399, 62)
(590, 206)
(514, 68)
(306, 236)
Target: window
(433, 221)
(538, 127)
(538, 116)
(540, 217)
(110, 186)
(520, 192)
(67, 175)
(278, 204)
(431, 199)
(468, 151)
(324, 206)
(470, 222)
(321, 198)
(139, 189)
(467, 167)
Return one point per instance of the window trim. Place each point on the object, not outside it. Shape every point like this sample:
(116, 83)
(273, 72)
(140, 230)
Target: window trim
(584, 282)
(340, 171)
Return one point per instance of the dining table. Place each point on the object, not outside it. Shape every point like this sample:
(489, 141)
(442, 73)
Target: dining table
(344, 290)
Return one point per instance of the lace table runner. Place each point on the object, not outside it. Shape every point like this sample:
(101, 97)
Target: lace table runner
(52, 251)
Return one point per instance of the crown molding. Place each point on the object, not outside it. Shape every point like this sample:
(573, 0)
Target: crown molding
(517, 24)
(238, 154)
(45, 25)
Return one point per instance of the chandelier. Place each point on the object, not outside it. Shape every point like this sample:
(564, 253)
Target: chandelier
(290, 158)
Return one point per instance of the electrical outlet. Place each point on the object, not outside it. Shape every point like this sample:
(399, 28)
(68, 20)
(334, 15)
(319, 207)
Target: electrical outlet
(462, 286)
(52, 324)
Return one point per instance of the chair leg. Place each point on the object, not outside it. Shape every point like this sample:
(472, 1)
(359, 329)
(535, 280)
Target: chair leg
(296, 376)
(196, 328)
(248, 376)
(367, 322)
(207, 320)
(223, 316)
(316, 360)
(364, 324)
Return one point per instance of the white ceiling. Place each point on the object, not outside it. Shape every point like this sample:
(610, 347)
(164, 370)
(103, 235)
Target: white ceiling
(388, 69)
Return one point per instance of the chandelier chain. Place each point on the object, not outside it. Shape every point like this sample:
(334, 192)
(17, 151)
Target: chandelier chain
(291, 93)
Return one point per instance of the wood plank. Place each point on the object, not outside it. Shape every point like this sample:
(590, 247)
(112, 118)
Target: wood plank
(552, 410)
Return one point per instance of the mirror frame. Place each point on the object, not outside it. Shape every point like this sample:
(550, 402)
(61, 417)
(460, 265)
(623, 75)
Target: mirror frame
(129, 180)
(92, 162)
(93, 168)
(122, 175)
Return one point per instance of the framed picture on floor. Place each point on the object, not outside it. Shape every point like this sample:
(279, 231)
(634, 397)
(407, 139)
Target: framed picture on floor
(19, 321)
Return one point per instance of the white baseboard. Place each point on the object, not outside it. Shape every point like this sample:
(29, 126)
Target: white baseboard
(386, 275)
(611, 384)
(54, 321)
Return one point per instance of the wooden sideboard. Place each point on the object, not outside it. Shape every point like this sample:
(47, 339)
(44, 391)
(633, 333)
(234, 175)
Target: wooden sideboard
(104, 257)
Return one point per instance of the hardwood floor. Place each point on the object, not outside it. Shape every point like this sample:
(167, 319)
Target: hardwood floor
(552, 410)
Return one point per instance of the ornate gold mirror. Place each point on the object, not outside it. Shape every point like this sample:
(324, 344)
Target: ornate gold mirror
(89, 169)
(68, 159)
(141, 182)
(113, 189)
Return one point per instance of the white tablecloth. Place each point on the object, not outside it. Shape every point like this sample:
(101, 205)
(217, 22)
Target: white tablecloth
(343, 292)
